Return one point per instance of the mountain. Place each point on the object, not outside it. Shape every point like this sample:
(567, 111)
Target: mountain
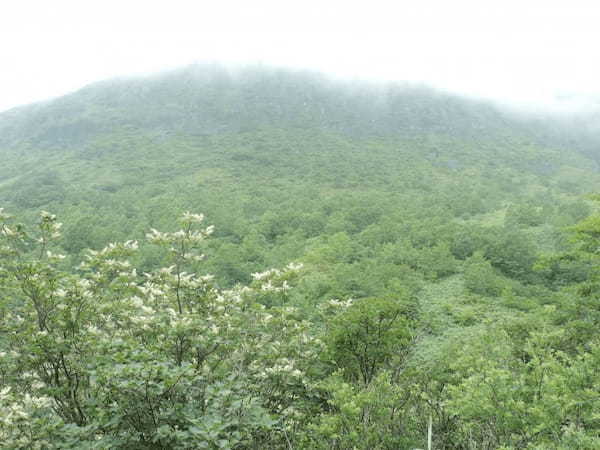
(448, 249)
(125, 154)
(207, 100)
(277, 146)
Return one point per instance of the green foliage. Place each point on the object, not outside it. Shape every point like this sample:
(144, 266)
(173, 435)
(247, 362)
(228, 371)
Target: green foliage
(524, 215)
(429, 211)
(481, 278)
(510, 251)
(526, 402)
(370, 334)
(376, 416)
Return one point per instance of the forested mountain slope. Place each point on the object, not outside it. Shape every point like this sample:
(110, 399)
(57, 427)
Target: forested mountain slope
(463, 233)
(140, 138)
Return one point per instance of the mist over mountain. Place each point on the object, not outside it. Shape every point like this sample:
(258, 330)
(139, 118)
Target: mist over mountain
(208, 99)
(212, 99)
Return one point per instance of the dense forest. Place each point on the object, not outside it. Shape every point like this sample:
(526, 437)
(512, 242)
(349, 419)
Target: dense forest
(272, 259)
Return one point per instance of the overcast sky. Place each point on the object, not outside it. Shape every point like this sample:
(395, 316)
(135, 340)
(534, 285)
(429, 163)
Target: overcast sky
(525, 51)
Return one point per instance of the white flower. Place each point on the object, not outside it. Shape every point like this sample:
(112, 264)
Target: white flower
(6, 231)
(267, 318)
(180, 234)
(136, 301)
(38, 385)
(47, 215)
(83, 283)
(192, 218)
(147, 310)
(51, 255)
(266, 274)
(131, 245)
(294, 266)
(340, 303)
(167, 270)
(155, 236)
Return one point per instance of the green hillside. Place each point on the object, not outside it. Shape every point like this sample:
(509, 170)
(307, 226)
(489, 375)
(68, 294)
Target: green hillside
(464, 235)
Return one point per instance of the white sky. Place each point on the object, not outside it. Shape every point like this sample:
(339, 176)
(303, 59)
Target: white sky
(524, 51)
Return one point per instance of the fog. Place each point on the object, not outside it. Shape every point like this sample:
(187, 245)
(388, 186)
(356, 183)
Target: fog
(540, 56)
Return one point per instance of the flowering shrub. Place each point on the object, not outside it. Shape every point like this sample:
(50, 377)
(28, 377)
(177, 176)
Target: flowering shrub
(106, 357)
